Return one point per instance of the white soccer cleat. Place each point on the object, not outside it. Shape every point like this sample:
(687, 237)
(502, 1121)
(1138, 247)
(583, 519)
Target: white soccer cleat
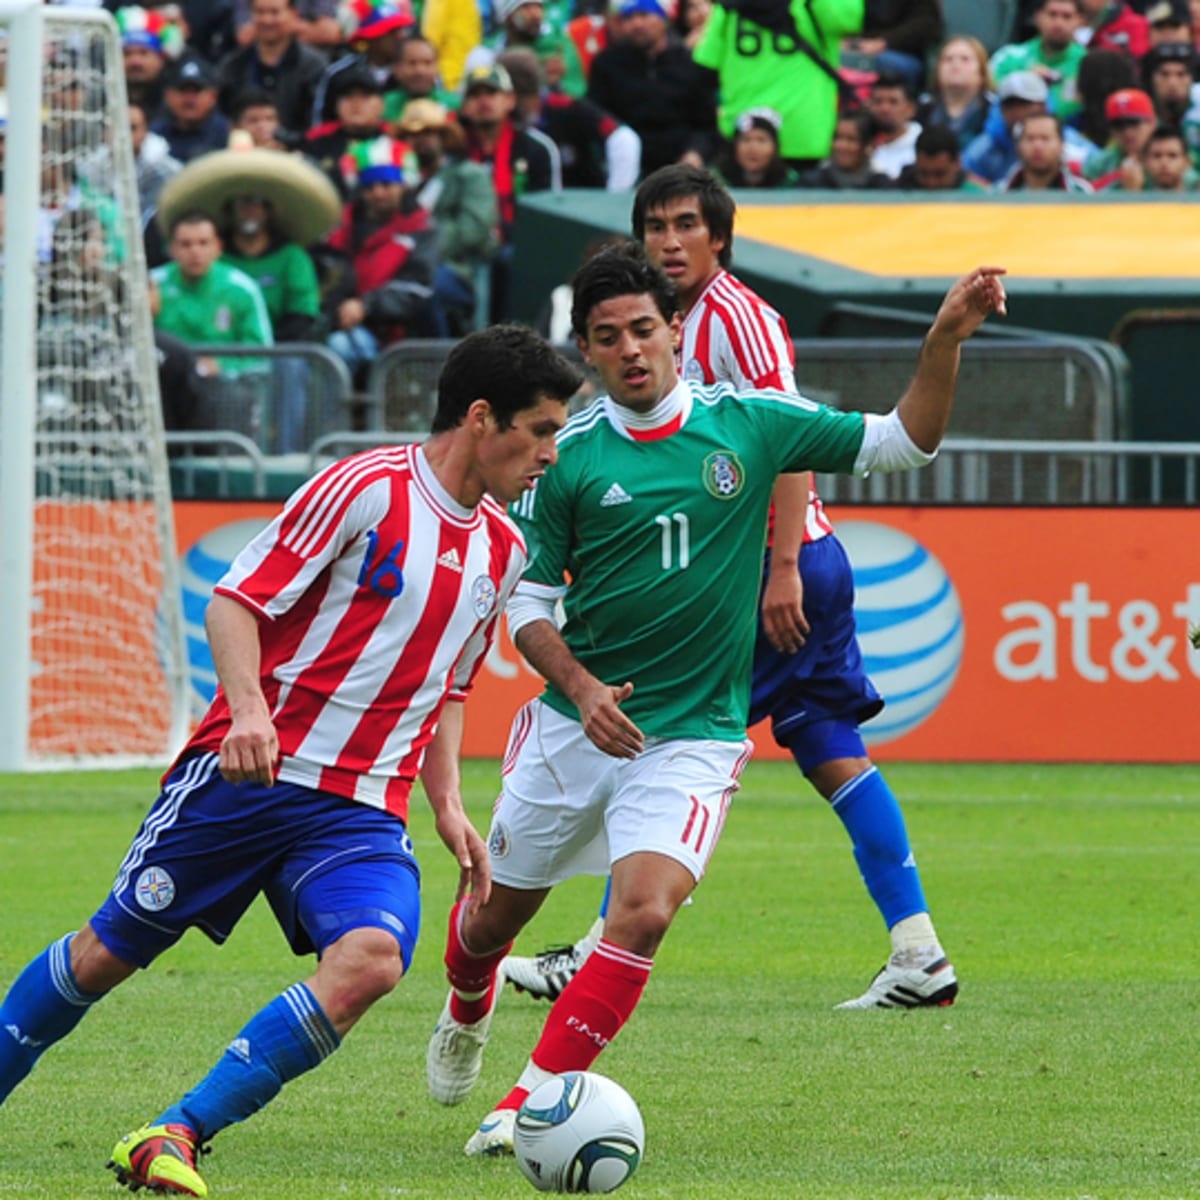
(455, 1056)
(911, 979)
(494, 1135)
(546, 976)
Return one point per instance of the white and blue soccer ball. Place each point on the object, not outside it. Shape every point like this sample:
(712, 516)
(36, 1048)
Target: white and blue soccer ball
(579, 1133)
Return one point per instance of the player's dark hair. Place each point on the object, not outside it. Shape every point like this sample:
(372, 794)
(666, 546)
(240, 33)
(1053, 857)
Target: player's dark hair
(680, 181)
(620, 270)
(509, 366)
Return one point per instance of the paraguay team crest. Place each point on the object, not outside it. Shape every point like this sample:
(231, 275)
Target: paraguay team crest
(155, 889)
(483, 596)
(723, 474)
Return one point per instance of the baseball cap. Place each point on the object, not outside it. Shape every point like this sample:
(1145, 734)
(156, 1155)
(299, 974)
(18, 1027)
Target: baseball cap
(656, 8)
(1129, 104)
(422, 114)
(1024, 85)
(1169, 12)
(492, 76)
(360, 77)
(367, 19)
(192, 73)
(1164, 52)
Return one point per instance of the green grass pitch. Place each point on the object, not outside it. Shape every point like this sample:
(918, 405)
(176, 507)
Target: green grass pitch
(1068, 1068)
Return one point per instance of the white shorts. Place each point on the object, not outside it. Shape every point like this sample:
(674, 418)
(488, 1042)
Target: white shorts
(567, 808)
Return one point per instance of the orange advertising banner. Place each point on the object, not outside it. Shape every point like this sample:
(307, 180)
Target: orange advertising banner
(1026, 635)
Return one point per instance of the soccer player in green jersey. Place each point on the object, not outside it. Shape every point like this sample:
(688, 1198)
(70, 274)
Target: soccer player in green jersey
(656, 512)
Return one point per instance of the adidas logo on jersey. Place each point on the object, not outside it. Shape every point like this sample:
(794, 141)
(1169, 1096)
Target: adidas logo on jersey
(615, 495)
(450, 559)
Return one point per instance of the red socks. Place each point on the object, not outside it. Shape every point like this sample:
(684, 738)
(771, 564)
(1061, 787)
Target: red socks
(472, 976)
(592, 1009)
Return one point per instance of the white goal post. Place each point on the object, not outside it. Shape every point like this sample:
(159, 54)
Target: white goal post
(90, 604)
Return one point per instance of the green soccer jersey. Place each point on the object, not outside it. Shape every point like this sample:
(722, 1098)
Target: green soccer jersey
(286, 277)
(662, 542)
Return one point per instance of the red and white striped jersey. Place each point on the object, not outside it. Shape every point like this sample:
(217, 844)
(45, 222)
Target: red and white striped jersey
(732, 334)
(378, 596)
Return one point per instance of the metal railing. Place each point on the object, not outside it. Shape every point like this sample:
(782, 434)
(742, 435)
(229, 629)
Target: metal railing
(282, 397)
(1010, 471)
(1042, 388)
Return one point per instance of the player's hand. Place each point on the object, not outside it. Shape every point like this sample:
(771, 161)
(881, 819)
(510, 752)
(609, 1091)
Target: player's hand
(250, 750)
(784, 622)
(606, 725)
(970, 302)
(470, 851)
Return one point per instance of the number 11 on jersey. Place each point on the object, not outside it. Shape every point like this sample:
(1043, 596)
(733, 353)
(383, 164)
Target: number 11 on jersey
(674, 529)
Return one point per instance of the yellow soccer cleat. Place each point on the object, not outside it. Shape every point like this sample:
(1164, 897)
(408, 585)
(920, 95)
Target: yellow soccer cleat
(161, 1158)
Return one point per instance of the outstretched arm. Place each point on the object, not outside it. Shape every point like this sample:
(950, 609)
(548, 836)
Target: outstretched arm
(925, 407)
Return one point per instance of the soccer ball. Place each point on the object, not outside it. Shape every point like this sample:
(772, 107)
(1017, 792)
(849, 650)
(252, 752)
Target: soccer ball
(579, 1132)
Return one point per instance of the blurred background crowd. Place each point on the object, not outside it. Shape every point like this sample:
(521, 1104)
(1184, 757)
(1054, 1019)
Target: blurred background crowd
(412, 130)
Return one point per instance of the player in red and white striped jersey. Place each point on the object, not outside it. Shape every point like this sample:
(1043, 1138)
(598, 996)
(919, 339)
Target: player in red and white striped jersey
(809, 676)
(353, 685)
(345, 637)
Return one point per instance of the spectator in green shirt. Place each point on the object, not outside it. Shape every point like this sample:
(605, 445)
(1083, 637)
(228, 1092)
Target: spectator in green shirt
(1054, 54)
(287, 278)
(203, 301)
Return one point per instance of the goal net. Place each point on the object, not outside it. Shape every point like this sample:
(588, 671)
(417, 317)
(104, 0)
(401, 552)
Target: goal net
(92, 618)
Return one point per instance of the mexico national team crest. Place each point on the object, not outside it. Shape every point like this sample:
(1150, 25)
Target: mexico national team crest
(483, 596)
(723, 474)
(498, 842)
(155, 889)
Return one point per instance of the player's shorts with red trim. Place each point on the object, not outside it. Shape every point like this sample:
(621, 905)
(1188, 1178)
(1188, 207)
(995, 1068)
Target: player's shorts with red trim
(567, 808)
(207, 848)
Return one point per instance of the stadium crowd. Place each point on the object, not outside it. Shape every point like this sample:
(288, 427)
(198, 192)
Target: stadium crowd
(430, 122)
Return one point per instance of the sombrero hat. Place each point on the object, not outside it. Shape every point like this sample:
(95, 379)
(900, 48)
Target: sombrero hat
(304, 204)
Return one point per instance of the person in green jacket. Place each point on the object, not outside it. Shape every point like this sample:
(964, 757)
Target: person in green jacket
(754, 48)
(203, 301)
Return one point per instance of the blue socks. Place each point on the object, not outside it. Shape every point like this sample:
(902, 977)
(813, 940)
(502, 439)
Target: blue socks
(285, 1039)
(875, 824)
(43, 1005)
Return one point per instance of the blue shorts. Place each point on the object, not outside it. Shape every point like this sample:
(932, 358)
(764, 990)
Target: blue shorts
(825, 679)
(207, 848)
